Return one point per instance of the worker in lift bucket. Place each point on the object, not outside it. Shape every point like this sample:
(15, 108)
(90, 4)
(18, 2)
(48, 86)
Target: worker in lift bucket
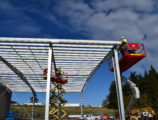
(123, 46)
(58, 72)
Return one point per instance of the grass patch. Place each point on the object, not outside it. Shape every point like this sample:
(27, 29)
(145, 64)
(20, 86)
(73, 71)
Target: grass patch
(26, 111)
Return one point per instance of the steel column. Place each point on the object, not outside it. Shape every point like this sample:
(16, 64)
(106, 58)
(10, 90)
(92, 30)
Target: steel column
(33, 108)
(81, 103)
(118, 85)
(48, 82)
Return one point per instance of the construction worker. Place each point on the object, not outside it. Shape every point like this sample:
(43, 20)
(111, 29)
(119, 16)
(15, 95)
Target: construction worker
(124, 40)
(123, 45)
(59, 76)
(58, 72)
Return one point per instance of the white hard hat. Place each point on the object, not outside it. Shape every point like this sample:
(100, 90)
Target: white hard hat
(122, 37)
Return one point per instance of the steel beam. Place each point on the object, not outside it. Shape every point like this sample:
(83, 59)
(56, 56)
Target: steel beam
(58, 41)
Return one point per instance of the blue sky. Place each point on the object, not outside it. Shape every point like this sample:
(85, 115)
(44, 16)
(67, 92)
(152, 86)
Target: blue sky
(85, 19)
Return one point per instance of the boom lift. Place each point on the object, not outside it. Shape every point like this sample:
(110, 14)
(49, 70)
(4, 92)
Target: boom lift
(133, 53)
(135, 93)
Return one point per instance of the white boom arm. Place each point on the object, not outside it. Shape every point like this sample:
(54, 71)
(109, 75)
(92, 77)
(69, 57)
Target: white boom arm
(135, 93)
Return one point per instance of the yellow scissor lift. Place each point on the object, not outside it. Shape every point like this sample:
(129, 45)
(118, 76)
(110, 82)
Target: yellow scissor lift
(56, 100)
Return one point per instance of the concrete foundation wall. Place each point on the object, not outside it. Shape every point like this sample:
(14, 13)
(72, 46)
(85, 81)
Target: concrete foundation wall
(5, 99)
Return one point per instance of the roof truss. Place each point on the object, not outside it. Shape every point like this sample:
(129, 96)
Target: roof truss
(78, 58)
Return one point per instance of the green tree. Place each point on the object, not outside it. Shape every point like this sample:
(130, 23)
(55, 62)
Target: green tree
(104, 103)
(148, 86)
(112, 97)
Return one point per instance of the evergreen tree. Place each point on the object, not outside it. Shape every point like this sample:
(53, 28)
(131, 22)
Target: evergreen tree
(105, 103)
(112, 97)
(148, 86)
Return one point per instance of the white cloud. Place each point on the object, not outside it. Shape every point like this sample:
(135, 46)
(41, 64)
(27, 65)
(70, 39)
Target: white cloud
(98, 19)
(110, 19)
(75, 13)
(139, 5)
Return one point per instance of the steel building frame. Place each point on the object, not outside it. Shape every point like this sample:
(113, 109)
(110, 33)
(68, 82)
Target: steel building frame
(79, 58)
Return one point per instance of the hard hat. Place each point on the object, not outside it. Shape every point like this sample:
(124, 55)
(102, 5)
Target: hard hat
(124, 40)
(58, 69)
(122, 37)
